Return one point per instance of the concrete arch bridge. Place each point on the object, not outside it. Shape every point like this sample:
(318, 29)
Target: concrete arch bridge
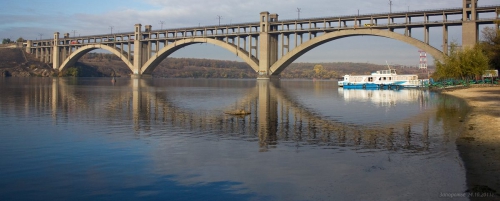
(271, 44)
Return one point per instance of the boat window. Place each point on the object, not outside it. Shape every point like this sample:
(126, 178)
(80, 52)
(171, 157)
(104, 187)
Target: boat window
(390, 78)
(384, 78)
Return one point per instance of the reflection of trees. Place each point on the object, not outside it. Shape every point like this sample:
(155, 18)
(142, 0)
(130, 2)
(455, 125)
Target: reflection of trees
(276, 118)
(451, 113)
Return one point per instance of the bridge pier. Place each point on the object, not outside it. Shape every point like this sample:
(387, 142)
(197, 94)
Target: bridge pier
(445, 39)
(268, 45)
(142, 50)
(136, 71)
(29, 43)
(470, 28)
(497, 25)
(268, 77)
(141, 76)
(56, 56)
(46, 55)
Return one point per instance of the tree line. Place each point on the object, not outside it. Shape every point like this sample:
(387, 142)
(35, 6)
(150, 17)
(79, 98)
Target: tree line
(210, 68)
(7, 40)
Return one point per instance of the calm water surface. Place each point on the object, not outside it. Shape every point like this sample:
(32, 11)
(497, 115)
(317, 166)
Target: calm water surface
(170, 139)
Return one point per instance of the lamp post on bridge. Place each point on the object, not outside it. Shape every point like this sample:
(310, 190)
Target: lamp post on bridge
(390, 6)
(161, 22)
(219, 17)
(111, 27)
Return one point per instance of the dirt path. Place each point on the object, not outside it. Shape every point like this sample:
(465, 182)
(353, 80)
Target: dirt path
(479, 145)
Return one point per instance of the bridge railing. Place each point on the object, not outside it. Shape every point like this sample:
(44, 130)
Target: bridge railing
(245, 24)
(365, 15)
(387, 13)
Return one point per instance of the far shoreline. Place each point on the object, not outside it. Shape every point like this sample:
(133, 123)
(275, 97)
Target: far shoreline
(479, 143)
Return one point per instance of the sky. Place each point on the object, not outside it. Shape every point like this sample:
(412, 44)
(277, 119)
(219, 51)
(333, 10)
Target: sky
(34, 19)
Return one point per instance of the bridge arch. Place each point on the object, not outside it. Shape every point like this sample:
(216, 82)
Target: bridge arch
(300, 50)
(71, 60)
(153, 62)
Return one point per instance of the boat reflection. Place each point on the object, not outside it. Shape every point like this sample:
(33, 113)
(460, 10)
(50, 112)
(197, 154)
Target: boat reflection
(384, 98)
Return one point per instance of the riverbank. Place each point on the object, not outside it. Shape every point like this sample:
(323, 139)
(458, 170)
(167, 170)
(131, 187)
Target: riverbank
(479, 144)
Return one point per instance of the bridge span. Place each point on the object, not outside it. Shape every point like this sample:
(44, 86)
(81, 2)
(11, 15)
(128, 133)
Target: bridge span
(269, 45)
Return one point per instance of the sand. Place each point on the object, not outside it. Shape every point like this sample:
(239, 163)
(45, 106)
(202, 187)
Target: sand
(479, 144)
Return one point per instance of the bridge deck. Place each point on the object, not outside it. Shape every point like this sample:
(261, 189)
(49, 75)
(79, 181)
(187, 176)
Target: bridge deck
(283, 26)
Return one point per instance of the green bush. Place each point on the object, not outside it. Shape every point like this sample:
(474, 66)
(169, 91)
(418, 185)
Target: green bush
(72, 72)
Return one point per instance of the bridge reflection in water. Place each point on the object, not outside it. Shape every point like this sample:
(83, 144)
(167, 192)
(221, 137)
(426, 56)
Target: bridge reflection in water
(277, 118)
(160, 138)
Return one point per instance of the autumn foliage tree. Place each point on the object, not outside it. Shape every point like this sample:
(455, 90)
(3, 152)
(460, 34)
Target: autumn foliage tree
(462, 63)
(491, 45)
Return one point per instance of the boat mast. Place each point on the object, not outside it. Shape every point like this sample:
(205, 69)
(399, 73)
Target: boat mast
(388, 65)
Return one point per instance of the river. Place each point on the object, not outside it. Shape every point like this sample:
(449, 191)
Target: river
(170, 139)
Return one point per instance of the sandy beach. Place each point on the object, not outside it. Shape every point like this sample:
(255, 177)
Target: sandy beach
(479, 144)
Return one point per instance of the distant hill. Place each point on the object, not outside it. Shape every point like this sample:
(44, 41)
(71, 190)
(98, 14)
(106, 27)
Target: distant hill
(13, 62)
(209, 68)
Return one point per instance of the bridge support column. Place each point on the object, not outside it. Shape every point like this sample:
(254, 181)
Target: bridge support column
(46, 55)
(137, 51)
(470, 34)
(29, 43)
(142, 51)
(426, 35)
(56, 57)
(268, 45)
(445, 39)
(497, 22)
(470, 27)
(140, 76)
(37, 53)
(146, 46)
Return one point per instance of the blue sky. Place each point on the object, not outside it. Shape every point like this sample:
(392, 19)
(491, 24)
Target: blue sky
(31, 19)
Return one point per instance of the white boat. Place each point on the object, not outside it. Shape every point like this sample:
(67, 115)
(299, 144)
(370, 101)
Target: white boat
(381, 79)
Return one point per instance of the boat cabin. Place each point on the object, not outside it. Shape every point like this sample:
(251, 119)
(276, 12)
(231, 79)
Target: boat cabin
(385, 72)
